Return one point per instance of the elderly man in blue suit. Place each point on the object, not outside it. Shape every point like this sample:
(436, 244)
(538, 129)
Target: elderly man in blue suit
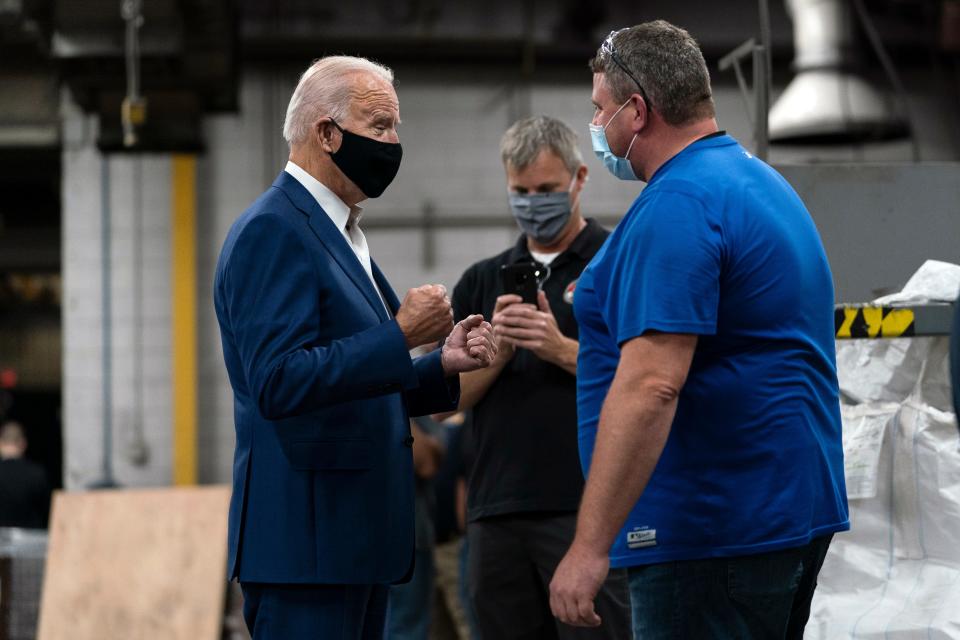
(316, 346)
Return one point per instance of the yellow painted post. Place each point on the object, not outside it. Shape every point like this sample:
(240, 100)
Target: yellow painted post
(183, 287)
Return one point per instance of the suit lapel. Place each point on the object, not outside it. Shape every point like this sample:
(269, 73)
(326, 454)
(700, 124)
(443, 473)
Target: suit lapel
(332, 239)
(388, 294)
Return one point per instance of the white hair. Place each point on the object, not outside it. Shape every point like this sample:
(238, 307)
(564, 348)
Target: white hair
(324, 90)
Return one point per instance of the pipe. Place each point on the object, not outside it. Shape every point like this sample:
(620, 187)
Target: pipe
(761, 88)
(106, 326)
(183, 287)
(138, 452)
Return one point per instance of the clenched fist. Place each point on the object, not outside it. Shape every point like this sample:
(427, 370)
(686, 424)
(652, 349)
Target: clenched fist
(425, 315)
(469, 346)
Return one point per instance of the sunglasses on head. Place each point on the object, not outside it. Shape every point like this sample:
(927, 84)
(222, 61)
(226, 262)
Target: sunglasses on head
(608, 49)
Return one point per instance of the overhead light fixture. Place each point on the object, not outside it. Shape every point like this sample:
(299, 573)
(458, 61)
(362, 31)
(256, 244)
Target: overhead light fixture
(828, 100)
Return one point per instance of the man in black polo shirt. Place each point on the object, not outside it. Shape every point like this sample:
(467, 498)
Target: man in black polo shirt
(526, 481)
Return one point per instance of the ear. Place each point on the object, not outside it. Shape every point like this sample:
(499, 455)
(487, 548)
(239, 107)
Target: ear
(582, 174)
(327, 135)
(642, 111)
(580, 178)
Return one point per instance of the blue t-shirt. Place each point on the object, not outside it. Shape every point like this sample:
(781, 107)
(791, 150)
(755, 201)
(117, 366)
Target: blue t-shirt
(720, 245)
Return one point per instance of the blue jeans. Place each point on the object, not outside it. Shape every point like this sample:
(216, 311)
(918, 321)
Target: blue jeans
(408, 616)
(463, 592)
(746, 597)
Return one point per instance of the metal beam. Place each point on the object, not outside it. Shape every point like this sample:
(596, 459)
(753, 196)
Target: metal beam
(854, 322)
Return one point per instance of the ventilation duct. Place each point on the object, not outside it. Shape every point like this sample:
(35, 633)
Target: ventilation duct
(829, 100)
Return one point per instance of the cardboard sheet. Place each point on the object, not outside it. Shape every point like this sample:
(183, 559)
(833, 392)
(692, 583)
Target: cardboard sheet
(129, 564)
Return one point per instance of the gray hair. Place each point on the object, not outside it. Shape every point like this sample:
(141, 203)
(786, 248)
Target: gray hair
(324, 90)
(668, 64)
(525, 139)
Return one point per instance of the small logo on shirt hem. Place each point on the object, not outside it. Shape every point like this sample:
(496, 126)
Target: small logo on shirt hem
(641, 537)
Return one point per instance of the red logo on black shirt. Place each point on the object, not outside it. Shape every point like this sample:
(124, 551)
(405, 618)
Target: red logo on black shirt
(568, 292)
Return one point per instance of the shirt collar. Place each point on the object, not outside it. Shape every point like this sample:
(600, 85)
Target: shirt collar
(715, 139)
(336, 209)
(588, 241)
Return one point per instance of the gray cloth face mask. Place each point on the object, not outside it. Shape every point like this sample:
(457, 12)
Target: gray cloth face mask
(541, 216)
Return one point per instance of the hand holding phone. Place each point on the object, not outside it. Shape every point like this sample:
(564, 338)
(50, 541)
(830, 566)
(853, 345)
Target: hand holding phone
(521, 279)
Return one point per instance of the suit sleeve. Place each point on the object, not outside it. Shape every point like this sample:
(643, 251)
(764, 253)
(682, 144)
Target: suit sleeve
(270, 293)
(432, 397)
(436, 392)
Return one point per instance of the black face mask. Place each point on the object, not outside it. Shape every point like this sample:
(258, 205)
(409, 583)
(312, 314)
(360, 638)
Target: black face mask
(370, 164)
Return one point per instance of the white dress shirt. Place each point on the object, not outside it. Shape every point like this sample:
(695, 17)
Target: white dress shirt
(344, 218)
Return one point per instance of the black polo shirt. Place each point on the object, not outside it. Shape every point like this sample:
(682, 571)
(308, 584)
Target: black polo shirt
(524, 429)
(24, 494)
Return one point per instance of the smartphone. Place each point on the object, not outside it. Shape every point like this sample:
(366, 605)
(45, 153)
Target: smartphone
(521, 279)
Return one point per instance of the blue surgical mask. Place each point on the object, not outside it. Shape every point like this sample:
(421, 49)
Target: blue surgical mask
(620, 167)
(542, 216)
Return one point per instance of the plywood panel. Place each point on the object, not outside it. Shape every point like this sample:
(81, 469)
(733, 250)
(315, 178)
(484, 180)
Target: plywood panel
(131, 564)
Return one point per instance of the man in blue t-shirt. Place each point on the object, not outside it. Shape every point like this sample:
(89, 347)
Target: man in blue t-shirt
(708, 404)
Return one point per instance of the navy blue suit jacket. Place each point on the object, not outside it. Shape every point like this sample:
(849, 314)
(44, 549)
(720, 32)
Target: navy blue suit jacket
(323, 389)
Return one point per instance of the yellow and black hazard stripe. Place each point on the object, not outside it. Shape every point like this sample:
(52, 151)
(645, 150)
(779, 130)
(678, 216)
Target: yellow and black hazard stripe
(873, 322)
